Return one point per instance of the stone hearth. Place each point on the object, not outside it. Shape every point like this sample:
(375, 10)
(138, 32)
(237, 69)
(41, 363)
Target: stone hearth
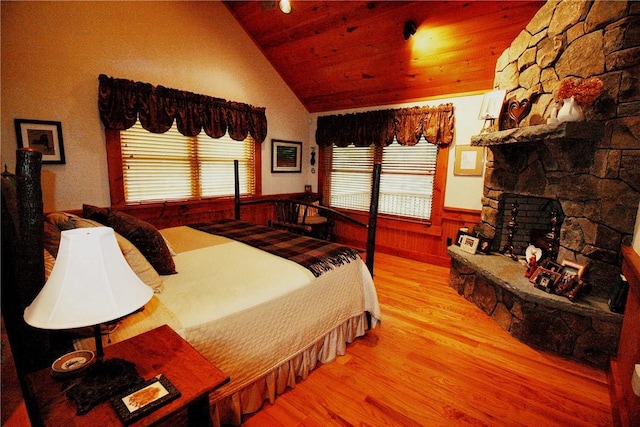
(584, 330)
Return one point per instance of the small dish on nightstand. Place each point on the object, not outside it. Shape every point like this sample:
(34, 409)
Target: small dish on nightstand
(72, 362)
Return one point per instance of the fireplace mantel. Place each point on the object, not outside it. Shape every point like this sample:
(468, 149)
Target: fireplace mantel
(567, 131)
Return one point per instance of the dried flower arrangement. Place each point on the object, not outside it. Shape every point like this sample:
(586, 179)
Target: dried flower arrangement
(584, 93)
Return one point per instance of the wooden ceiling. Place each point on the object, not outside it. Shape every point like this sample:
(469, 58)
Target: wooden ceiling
(348, 54)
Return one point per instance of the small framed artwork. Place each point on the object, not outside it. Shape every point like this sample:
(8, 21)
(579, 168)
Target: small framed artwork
(551, 265)
(462, 232)
(571, 270)
(286, 156)
(545, 279)
(469, 244)
(44, 136)
(484, 246)
(145, 398)
(492, 105)
(469, 160)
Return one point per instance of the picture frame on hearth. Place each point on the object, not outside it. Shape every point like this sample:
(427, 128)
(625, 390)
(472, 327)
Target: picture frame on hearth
(551, 265)
(544, 279)
(571, 270)
(469, 244)
(484, 246)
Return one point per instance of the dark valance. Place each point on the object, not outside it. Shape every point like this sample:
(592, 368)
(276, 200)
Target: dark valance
(407, 125)
(122, 101)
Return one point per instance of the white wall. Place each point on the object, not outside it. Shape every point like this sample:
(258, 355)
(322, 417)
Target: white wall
(53, 52)
(461, 191)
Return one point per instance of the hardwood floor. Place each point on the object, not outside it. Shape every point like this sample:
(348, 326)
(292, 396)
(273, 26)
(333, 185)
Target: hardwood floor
(437, 360)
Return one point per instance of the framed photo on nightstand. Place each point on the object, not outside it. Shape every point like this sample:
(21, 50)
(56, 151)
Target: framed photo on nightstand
(145, 398)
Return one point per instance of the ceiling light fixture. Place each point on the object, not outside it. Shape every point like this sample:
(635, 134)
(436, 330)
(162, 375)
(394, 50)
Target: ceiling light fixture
(409, 29)
(285, 6)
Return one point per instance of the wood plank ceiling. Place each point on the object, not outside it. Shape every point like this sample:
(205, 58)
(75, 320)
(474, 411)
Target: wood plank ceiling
(348, 54)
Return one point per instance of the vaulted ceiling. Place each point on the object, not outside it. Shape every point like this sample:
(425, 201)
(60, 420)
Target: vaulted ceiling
(348, 54)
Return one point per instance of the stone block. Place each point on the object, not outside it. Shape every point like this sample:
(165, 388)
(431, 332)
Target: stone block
(483, 295)
(594, 349)
(502, 317)
(544, 329)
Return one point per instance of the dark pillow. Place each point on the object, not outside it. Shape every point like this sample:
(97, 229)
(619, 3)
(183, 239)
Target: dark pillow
(142, 234)
(51, 238)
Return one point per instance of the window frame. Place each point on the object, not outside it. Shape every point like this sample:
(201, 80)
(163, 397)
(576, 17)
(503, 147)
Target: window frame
(116, 175)
(437, 203)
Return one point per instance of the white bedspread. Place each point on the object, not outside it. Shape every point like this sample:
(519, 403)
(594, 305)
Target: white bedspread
(246, 310)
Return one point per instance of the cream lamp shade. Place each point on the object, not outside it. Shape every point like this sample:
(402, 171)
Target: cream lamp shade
(91, 283)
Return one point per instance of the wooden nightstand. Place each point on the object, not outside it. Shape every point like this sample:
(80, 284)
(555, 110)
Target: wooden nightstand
(160, 351)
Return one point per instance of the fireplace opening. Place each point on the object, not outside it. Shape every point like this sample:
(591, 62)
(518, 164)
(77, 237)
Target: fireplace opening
(537, 222)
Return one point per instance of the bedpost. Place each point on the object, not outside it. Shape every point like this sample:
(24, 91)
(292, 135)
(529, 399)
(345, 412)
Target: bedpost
(373, 217)
(31, 346)
(236, 184)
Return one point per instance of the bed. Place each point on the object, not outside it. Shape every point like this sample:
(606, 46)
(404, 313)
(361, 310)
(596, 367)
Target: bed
(264, 320)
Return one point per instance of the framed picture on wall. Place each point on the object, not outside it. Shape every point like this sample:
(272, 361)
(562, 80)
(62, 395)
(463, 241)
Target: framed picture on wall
(286, 156)
(44, 136)
(469, 160)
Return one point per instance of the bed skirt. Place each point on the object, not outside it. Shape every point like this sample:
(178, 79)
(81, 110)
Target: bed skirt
(229, 409)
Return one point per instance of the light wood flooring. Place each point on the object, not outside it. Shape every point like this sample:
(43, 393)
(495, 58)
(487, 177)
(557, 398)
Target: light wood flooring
(438, 360)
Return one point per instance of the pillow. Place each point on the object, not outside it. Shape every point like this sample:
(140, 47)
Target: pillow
(135, 259)
(310, 211)
(67, 221)
(51, 238)
(142, 234)
(49, 260)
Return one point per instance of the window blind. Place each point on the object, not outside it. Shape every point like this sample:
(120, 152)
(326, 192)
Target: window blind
(406, 180)
(171, 166)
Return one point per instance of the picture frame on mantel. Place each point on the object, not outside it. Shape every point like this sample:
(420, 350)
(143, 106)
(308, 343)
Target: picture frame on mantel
(286, 156)
(491, 110)
(469, 160)
(492, 105)
(42, 135)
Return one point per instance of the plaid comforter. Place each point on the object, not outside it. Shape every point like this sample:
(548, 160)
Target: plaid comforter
(318, 256)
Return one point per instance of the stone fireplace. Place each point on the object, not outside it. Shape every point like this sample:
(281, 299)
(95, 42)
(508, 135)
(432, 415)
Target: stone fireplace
(587, 172)
(591, 169)
(561, 168)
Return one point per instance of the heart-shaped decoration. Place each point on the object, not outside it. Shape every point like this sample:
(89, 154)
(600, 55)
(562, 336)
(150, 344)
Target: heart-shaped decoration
(519, 110)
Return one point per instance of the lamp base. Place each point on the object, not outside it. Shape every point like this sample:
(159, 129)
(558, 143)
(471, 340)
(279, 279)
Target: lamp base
(101, 381)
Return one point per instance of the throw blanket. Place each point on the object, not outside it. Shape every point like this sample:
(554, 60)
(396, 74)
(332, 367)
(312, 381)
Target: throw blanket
(318, 256)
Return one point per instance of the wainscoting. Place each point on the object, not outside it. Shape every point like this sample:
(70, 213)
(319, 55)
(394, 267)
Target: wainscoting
(411, 240)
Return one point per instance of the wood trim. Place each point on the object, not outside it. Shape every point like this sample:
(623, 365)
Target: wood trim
(464, 215)
(114, 165)
(439, 186)
(624, 403)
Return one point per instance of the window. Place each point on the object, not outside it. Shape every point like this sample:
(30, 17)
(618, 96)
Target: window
(171, 166)
(406, 180)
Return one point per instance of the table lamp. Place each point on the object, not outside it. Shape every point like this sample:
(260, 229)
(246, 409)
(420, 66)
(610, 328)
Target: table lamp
(91, 283)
